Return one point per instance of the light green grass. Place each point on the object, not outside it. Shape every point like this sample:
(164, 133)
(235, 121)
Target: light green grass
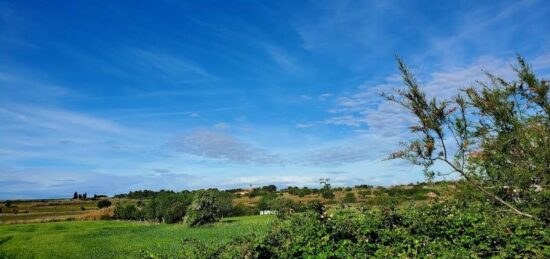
(117, 239)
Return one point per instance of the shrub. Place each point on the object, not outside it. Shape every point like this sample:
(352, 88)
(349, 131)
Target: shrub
(327, 193)
(363, 194)
(104, 204)
(168, 207)
(452, 229)
(349, 198)
(264, 203)
(207, 207)
(128, 212)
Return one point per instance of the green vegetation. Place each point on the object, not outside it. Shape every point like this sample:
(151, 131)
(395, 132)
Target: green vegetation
(450, 229)
(103, 204)
(208, 206)
(349, 198)
(496, 136)
(499, 208)
(119, 239)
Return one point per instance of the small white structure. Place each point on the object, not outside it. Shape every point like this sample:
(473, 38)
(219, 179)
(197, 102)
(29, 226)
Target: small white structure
(269, 212)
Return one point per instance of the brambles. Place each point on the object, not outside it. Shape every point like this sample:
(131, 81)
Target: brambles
(447, 229)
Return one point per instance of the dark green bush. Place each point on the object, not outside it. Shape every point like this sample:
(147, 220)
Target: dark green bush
(103, 204)
(128, 212)
(349, 198)
(208, 206)
(168, 207)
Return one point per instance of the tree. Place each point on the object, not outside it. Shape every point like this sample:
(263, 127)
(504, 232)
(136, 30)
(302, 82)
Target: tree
(269, 188)
(128, 212)
(326, 192)
(8, 204)
(168, 207)
(207, 207)
(84, 196)
(75, 195)
(104, 204)
(284, 206)
(499, 133)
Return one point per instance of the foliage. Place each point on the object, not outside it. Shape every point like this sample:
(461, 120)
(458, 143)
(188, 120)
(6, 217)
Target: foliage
(301, 192)
(327, 192)
(208, 206)
(349, 198)
(103, 204)
(363, 194)
(168, 207)
(499, 132)
(261, 191)
(264, 203)
(142, 194)
(363, 186)
(128, 212)
(446, 229)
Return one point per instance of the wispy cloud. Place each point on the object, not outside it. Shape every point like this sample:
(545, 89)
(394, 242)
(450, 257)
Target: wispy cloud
(220, 146)
(55, 119)
(170, 65)
(62, 183)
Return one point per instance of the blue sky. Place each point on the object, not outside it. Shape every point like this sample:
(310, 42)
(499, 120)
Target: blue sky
(112, 96)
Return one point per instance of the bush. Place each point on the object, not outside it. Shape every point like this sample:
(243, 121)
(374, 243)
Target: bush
(363, 194)
(168, 207)
(104, 204)
(128, 212)
(349, 198)
(208, 206)
(450, 229)
(327, 193)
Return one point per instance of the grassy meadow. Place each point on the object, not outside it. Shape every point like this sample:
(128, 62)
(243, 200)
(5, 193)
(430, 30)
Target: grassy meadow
(117, 239)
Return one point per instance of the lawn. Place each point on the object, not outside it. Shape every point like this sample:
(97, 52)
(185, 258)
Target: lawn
(117, 239)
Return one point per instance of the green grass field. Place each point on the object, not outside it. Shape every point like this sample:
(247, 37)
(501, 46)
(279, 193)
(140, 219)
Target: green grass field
(117, 239)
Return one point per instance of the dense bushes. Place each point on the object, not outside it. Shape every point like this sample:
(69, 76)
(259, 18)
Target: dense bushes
(447, 229)
(128, 212)
(264, 190)
(208, 206)
(349, 197)
(168, 207)
(301, 192)
(103, 204)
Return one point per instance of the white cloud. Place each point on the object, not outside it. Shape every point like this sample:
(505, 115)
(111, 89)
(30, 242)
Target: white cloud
(324, 96)
(305, 97)
(305, 125)
(171, 65)
(56, 119)
(221, 147)
(221, 125)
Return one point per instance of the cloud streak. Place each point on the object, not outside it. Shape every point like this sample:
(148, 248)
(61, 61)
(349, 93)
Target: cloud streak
(222, 147)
